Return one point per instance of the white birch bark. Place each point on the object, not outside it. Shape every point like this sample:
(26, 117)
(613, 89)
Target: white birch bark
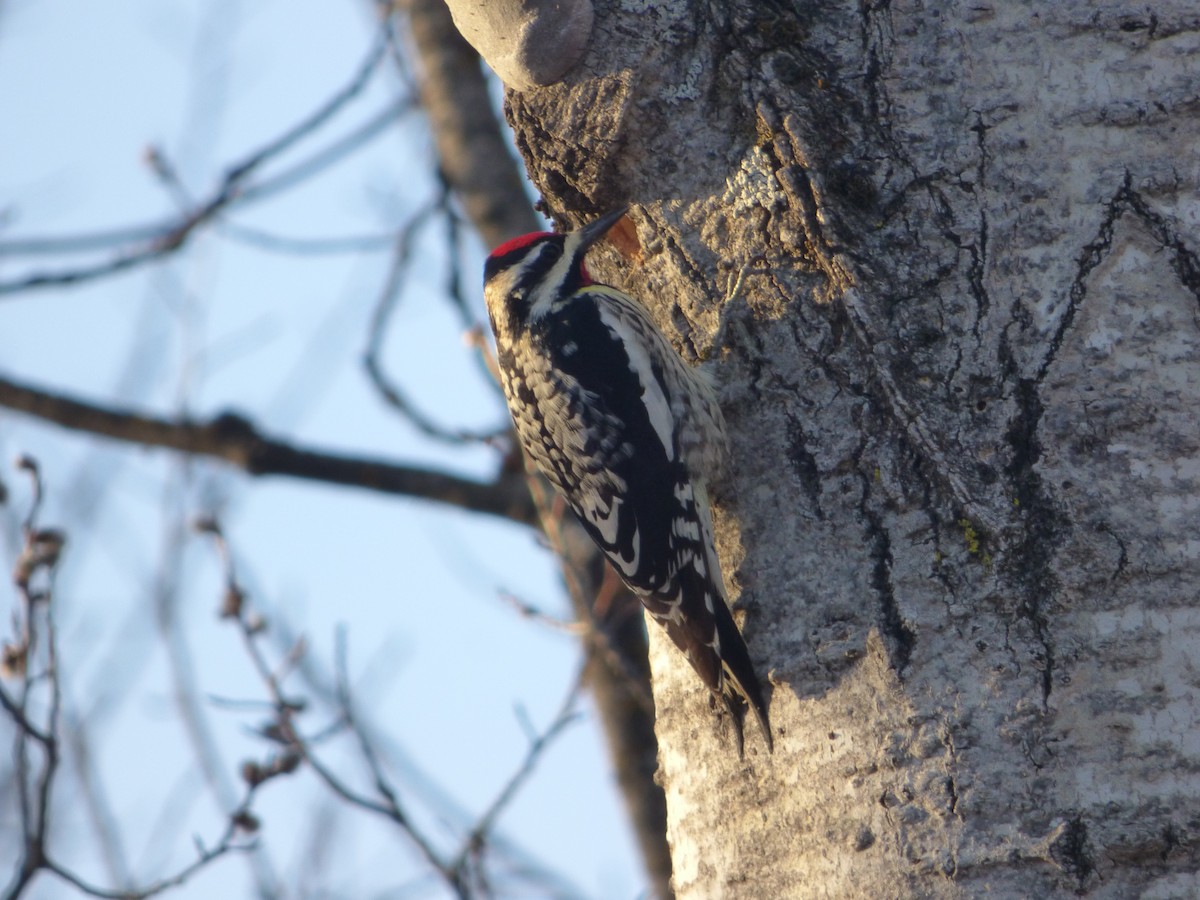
(963, 382)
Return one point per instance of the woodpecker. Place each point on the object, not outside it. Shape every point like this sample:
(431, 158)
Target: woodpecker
(629, 434)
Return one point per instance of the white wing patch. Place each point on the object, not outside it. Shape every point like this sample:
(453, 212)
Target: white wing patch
(691, 418)
(655, 401)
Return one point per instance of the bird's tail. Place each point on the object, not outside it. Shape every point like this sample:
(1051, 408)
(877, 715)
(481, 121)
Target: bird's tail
(698, 621)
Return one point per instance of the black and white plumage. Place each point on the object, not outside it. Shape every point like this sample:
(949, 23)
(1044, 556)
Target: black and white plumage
(628, 433)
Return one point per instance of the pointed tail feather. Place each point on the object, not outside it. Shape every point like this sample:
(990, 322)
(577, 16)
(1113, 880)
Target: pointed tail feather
(738, 668)
(701, 625)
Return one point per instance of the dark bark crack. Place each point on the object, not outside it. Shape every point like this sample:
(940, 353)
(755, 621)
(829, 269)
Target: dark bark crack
(1184, 261)
(1123, 558)
(879, 542)
(1031, 566)
(1031, 563)
(952, 792)
(1090, 257)
(1072, 851)
(804, 464)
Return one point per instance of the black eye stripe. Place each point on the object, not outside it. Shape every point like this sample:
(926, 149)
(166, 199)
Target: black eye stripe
(539, 257)
(539, 264)
(496, 264)
(548, 254)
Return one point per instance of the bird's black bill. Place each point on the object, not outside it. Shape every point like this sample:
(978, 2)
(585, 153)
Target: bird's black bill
(593, 231)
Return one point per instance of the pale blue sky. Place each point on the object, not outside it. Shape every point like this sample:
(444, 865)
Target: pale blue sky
(84, 89)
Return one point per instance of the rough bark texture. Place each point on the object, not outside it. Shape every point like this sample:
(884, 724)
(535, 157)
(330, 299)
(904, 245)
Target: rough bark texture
(962, 385)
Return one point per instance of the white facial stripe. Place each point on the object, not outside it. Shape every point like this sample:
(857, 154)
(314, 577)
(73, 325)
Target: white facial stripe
(551, 281)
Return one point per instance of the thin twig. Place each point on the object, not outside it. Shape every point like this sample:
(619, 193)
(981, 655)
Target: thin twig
(566, 715)
(159, 241)
(33, 791)
(321, 115)
(14, 710)
(53, 757)
(322, 159)
(378, 327)
(40, 561)
(238, 820)
(392, 806)
(384, 801)
(531, 612)
(284, 730)
(422, 785)
(301, 246)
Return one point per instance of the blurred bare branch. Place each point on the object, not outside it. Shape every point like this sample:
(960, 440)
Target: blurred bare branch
(387, 388)
(617, 671)
(470, 858)
(39, 694)
(93, 793)
(298, 246)
(531, 612)
(324, 158)
(236, 441)
(143, 244)
(241, 822)
(464, 872)
(197, 725)
(475, 157)
(33, 576)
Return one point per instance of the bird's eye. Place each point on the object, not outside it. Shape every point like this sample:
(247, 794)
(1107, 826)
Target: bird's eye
(550, 254)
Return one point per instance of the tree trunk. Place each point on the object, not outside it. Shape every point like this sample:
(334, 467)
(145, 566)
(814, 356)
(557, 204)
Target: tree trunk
(961, 380)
